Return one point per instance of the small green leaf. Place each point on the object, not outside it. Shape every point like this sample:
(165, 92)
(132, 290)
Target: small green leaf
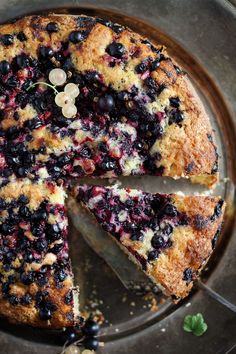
(188, 323)
(195, 324)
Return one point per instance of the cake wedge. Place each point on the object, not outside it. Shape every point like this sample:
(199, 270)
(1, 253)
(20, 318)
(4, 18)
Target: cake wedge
(170, 237)
(36, 281)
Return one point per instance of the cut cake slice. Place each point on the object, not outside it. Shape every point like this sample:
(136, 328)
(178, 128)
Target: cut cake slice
(36, 281)
(169, 236)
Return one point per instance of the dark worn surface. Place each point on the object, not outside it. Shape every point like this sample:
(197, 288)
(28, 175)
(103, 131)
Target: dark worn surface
(206, 29)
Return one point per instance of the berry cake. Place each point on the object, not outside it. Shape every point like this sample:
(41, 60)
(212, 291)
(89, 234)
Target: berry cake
(35, 271)
(136, 112)
(81, 96)
(169, 236)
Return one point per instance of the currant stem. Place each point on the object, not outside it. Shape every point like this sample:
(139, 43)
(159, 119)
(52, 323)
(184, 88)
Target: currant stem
(43, 83)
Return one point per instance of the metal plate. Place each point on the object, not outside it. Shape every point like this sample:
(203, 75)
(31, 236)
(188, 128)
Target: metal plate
(206, 31)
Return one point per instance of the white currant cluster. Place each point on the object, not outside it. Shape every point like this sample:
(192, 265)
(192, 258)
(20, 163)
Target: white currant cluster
(73, 349)
(65, 99)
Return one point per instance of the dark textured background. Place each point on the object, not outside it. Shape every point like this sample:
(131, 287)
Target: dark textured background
(207, 29)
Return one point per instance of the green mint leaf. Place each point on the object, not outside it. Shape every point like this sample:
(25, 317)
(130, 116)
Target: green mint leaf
(195, 324)
(188, 323)
(200, 330)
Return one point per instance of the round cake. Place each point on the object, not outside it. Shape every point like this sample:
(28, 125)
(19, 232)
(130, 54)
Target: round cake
(82, 96)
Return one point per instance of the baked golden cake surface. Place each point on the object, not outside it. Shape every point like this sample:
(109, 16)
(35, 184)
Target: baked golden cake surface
(169, 236)
(137, 112)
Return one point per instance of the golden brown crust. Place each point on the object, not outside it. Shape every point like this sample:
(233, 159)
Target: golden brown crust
(187, 150)
(64, 316)
(192, 246)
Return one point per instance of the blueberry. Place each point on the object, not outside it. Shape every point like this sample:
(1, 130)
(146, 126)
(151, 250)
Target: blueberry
(76, 37)
(57, 248)
(23, 199)
(138, 145)
(129, 226)
(21, 36)
(22, 61)
(2, 204)
(129, 203)
(14, 300)
(70, 335)
(115, 50)
(167, 230)
(41, 245)
(63, 160)
(24, 211)
(91, 328)
(174, 101)
(69, 297)
(85, 152)
(10, 257)
(103, 147)
(108, 165)
(68, 65)
(52, 27)
(6, 229)
(7, 39)
(170, 210)
(34, 123)
(45, 314)
(53, 231)
(40, 297)
(90, 343)
(137, 236)
(155, 64)
(106, 103)
(28, 257)
(92, 77)
(36, 231)
(141, 68)
(188, 275)
(60, 275)
(46, 52)
(117, 28)
(27, 278)
(175, 116)
(157, 241)
(4, 67)
(12, 82)
(26, 299)
(104, 22)
(41, 279)
(156, 130)
(152, 255)
(40, 215)
(157, 203)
